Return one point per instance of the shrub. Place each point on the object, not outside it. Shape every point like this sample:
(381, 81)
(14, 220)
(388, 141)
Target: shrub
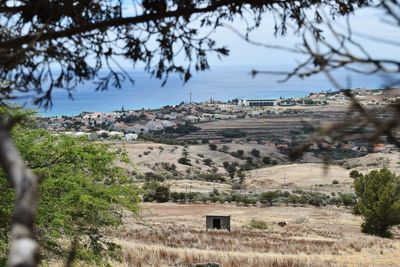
(255, 153)
(335, 182)
(154, 191)
(354, 174)
(230, 168)
(266, 160)
(348, 199)
(212, 147)
(379, 201)
(238, 154)
(151, 176)
(208, 161)
(184, 161)
(258, 224)
(225, 148)
(268, 197)
(168, 166)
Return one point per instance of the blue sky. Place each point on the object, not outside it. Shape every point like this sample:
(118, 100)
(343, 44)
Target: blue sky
(366, 21)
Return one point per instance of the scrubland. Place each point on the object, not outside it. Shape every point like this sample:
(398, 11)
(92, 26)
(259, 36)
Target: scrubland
(175, 235)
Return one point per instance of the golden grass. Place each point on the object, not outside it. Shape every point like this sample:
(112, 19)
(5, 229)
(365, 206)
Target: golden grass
(174, 235)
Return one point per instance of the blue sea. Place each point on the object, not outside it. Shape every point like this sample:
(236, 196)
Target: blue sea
(219, 83)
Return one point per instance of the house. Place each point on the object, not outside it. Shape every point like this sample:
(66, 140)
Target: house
(131, 137)
(220, 222)
(258, 102)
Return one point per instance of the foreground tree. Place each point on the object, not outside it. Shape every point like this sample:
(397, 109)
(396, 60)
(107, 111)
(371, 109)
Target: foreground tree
(81, 192)
(378, 201)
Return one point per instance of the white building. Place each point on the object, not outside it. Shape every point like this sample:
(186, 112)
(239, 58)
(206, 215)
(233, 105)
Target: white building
(258, 102)
(131, 137)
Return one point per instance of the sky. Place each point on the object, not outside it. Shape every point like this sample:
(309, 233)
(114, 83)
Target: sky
(366, 21)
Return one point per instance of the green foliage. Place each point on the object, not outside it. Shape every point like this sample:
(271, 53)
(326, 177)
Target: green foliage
(378, 201)
(348, 199)
(258, 224)
(81, 192)
(154, 191)
(354, 174)
(268, 197)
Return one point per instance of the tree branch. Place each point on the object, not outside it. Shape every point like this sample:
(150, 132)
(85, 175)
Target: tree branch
(17, 42)
(24, 249)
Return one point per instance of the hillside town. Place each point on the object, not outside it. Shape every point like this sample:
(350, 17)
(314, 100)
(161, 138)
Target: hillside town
(184, 118)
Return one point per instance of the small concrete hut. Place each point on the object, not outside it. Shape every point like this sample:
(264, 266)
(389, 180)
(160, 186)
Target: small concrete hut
(220, 222)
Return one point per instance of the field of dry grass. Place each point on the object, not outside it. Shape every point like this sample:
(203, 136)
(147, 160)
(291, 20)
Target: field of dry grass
(174, 235)
(145, 155)
(306, 176)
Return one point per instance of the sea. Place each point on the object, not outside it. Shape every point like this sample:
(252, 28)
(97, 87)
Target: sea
(220, 83)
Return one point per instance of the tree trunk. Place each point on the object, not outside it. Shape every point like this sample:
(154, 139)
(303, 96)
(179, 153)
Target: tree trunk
(23, 249)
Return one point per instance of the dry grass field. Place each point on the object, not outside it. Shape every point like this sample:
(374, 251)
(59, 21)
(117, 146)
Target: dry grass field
(306, 176)
(145, 155)
(174, 235)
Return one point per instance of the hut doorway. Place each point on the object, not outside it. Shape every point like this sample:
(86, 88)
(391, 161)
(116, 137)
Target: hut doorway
(216, 223)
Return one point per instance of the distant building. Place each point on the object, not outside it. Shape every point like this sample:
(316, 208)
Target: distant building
(131, 137)
(258, 102)
(220, 222)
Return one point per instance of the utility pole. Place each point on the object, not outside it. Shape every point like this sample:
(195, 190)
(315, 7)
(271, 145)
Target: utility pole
(190, 102)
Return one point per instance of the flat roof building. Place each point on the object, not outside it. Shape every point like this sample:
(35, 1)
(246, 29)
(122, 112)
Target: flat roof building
(221, 222)
(258, 102)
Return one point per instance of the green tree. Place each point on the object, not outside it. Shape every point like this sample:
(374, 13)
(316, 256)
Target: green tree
(378, 201)
(81, 190)
(268, 197)
(154, 191)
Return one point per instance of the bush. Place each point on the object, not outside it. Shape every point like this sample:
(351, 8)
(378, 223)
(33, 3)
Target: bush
(224, 148)
(266, 160)
(207, 162)
(184, 161)
(171, 167)
(348, 199)
(335, 182)
(154, 191)
(151, 176)
(212, 147)
(354, 174)
(255, 153)
(230, 168)
(238, 154)
(258, 224)
(379, 201)
(268, 197)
